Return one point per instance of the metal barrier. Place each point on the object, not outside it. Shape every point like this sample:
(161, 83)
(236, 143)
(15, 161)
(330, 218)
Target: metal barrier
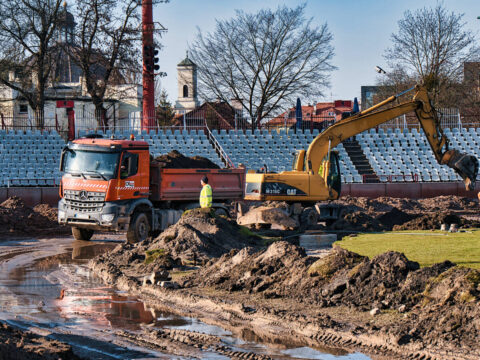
(219, 149)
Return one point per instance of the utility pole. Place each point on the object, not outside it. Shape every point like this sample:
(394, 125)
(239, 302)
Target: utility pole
(148, 119)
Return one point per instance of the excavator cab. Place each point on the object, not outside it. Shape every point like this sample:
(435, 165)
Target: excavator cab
(298, 163)
(334, 180)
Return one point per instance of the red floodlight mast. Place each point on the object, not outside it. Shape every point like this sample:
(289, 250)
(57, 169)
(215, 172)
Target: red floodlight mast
(148, 119)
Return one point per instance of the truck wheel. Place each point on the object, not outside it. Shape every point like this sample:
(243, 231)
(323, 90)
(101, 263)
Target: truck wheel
(308, 218)
(139, 228)
(82, 234)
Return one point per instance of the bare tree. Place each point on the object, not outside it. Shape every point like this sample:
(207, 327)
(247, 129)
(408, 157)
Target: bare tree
(107, 46)
(432, 45)
(264, 60)
(27, 32)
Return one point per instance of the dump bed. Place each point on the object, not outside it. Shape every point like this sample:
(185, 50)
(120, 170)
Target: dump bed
(184, 184)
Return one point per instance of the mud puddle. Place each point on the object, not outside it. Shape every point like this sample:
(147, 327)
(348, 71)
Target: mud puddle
(46, 288)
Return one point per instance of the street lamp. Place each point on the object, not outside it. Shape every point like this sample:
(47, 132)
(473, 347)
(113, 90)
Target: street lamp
(379, 70)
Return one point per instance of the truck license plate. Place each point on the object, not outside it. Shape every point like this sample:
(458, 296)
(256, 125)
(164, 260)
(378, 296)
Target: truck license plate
(82, 216)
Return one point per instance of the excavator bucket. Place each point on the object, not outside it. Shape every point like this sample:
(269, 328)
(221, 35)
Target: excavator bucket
(464, 165)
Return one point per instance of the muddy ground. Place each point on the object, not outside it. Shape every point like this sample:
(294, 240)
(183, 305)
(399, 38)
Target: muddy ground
(387, 305)
(18, 219)
(16, 344)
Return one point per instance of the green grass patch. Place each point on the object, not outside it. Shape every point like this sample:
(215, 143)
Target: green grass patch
(424, 247)
(152, 255)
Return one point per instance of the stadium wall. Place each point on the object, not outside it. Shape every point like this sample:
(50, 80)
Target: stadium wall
(49, 195)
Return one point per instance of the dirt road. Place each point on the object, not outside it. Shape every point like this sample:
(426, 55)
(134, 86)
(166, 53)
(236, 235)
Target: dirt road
(46, 289)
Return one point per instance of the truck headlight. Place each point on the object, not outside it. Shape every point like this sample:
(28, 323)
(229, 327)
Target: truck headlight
(108, 217)
(61, 214)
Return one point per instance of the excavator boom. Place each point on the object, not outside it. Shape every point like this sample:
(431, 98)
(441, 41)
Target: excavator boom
(464, 165)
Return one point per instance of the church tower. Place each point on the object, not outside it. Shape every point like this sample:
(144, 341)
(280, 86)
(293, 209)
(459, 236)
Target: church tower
(187, 86)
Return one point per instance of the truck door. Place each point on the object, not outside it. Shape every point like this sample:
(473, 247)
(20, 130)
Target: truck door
(133, 175)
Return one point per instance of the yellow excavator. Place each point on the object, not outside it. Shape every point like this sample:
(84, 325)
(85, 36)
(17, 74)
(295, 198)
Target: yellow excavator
(316, 173)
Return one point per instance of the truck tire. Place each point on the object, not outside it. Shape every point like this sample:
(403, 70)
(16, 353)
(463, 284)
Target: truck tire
(82, 234)
(139, 228)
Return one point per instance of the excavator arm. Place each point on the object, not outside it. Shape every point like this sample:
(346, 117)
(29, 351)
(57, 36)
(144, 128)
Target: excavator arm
(464, 165)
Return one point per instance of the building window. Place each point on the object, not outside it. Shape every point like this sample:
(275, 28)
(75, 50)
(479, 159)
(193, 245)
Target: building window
(23, 109)
(185, 91)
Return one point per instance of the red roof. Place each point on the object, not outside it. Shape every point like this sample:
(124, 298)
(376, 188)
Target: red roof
(318, 113)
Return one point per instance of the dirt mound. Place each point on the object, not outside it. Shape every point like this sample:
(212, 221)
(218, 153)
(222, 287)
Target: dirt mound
(201, 235)
(16, 344)
(380, 204)
(395, 217)
(175, 160)
(372, 281)
(449, 202)
(430, 222)
(280, 270)
(17, 219)
(197, 237)
(357, 221)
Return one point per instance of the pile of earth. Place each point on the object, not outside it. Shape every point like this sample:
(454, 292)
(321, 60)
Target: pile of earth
(385, 213)
(176, 160)
(385, 204)
(15, 344)
(18, 219)
(197, 237)
(389, 282)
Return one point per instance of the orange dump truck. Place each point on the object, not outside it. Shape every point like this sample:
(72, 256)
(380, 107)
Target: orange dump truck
(112, 185)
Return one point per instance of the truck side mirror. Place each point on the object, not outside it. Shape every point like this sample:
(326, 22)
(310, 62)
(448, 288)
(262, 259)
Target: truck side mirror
(62, 158)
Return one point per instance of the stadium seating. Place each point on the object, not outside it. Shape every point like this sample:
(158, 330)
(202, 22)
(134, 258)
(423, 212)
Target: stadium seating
(30, 158)
(398, 155)
(275, 150)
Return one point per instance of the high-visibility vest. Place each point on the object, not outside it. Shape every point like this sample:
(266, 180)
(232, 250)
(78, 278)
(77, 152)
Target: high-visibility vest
(206, 196)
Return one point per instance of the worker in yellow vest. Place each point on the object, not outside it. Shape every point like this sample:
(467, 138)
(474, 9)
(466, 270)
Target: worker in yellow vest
(205, 194)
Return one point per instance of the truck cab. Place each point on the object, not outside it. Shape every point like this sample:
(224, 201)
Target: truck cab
(114, 185)
(103, 179)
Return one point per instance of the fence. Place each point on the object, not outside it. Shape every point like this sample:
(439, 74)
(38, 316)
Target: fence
(215, 118)
(24, 123)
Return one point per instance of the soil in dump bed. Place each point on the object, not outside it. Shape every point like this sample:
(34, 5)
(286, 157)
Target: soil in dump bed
(198, 236)
(18, 219)
(15, 344)
(176, 160)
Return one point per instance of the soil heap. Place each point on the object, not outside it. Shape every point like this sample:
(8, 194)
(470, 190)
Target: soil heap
(15, 344)
(17, 219)
(176, 160)
(198, 236)
(384, 213)
(443, 298)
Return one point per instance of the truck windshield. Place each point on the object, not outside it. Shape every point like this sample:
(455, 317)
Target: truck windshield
(91, 162)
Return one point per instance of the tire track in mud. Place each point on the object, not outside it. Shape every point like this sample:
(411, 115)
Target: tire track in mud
(229, 315)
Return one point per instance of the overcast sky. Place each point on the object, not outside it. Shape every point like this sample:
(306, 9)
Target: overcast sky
(361, 31)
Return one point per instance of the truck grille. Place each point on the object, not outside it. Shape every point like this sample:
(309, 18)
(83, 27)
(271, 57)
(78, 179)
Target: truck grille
(84, 201)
